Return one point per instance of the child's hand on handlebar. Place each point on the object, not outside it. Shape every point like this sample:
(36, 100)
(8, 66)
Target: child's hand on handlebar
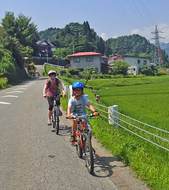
(96, 113)
(70, 117)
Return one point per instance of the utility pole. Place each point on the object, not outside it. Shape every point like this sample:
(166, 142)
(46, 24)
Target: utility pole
(73, 47)
(158, 60)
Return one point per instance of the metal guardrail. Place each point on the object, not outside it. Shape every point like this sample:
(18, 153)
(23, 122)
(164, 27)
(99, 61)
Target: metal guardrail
(114, 117)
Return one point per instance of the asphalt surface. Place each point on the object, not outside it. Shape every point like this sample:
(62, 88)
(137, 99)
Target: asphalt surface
(32, 157)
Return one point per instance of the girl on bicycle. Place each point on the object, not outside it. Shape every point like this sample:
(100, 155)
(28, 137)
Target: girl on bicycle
(77, 104)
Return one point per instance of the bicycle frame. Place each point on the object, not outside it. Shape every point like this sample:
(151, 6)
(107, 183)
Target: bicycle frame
(80, 132)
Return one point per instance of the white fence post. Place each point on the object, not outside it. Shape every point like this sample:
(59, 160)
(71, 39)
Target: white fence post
(113, 115)
(70, 92)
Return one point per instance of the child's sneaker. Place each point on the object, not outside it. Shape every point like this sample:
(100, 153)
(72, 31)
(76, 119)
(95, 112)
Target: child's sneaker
(49, 122)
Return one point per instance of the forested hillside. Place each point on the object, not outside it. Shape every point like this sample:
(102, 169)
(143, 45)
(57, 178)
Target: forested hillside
(76, 37)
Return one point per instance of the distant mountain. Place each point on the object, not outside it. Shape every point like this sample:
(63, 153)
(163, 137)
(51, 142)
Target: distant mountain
(131, 45)
(165, 46)
(80, 37)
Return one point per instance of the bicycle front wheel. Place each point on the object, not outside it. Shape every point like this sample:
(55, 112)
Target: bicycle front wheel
(57, 125)
(89, 157)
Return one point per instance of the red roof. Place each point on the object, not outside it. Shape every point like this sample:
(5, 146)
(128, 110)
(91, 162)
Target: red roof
(79, 54)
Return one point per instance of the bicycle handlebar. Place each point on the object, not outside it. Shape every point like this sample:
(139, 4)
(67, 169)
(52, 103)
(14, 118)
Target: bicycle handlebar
(82, 116)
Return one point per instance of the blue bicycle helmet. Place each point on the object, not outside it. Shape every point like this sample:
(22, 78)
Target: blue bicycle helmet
(77, 85)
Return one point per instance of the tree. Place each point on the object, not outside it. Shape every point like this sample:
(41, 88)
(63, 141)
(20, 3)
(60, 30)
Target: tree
(2, 37)
(61, 53)
(27, 33)
(120, 67)
(6, 62)
(21, 35)
(148, 70)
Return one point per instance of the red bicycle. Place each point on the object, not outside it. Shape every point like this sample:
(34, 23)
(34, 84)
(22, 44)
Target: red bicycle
(83, 135)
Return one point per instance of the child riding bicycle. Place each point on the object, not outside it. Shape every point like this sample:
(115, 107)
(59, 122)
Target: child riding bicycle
(77, 104)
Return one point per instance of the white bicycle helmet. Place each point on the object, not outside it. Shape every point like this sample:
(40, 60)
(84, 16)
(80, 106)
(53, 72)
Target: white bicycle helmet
(51, 72)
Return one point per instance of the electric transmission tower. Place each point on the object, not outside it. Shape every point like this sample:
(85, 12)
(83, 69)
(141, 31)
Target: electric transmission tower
(158, 59)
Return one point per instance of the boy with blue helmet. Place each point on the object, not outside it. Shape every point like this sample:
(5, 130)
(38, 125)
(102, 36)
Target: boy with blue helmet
(77, 104)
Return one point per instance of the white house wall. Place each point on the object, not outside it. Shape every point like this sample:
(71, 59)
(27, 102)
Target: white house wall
(133, 61)
(96, 63)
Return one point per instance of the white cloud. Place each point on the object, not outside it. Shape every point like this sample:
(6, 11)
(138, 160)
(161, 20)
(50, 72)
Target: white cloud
(104, 36)
(147, 32)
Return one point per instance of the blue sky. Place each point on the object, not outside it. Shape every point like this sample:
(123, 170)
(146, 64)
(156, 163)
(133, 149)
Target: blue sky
(109, 18)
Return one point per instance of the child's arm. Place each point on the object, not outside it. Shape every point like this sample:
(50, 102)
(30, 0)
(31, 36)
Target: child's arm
(91, 107)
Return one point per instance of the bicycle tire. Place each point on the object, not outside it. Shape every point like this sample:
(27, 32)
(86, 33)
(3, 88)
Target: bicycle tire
(89, 157)
(54, 119)
(79, 150)
(57, 125)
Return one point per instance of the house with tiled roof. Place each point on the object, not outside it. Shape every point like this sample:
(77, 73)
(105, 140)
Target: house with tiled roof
(87, 60)
(45, 48)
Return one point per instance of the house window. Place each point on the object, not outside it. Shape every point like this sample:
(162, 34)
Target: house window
(145, 62)
(89, 59)
(76, 60)
(138, 61)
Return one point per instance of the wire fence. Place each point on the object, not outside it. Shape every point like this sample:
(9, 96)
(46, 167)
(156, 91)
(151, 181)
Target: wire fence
(154, 135)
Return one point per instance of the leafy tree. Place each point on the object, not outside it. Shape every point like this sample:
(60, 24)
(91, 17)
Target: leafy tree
(27, 33)
(2, 37)
(61, 53)
(6, 62)
(21, 35)
(148, 70)
(120, 67)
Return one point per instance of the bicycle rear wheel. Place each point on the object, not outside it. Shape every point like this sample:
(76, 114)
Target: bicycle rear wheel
(89, 157)
(57, 125)
(54, 119)
(79, 148)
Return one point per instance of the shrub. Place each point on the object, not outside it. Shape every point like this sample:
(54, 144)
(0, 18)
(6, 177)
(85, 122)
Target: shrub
(6, 62)
(119, 67)
(3, 82)
(148, 70)
(162, 71)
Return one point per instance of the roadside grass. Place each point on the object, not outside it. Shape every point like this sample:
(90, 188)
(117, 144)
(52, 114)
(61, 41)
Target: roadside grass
(3, 82)
(146, 99)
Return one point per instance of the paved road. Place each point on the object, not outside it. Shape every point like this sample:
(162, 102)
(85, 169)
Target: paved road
(32, 157)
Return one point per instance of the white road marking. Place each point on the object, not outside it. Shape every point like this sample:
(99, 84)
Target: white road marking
(15, 91)
(10, 96)
(21, 88)
(5, 103)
